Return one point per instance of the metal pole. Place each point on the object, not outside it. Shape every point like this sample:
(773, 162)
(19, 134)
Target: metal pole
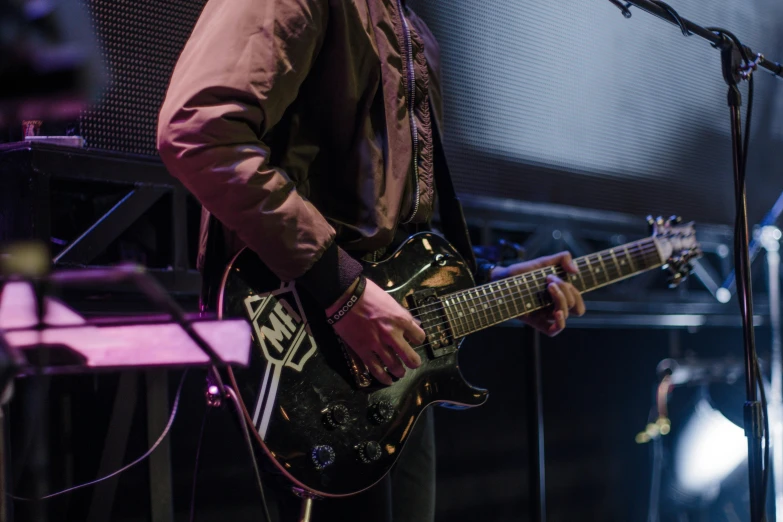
(535, 419)
(770, 240)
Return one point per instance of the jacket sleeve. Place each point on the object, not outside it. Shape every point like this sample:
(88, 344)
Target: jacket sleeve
(241, 68)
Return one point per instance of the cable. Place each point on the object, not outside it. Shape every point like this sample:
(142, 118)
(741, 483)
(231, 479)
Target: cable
(124, 468)
(243, 423)
(674, 14)
(192, 516)
(762, 394)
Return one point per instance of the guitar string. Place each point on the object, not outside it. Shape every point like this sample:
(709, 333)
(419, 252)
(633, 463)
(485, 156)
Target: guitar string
(493, 308)
(533, 287)
(643, 253)
(490, 318)
(495, 302)
(503, 294)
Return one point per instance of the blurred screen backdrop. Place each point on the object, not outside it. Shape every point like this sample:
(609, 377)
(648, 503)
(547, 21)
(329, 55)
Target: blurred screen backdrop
(568, 102)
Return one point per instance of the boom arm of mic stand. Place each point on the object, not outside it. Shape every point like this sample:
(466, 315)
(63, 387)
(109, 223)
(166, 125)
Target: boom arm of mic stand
(622, 7)
(653, 8)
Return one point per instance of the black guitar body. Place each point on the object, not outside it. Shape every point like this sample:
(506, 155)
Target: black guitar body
(332, 431)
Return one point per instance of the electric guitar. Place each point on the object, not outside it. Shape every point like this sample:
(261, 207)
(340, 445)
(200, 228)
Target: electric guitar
(319, 415)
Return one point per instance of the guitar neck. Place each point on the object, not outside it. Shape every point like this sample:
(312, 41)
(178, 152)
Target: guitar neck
(483, 306)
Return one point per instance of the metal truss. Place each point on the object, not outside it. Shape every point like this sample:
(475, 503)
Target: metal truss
(42, 185)
(35, 176)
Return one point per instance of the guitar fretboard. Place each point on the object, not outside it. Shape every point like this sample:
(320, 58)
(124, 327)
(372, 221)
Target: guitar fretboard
(483, 306)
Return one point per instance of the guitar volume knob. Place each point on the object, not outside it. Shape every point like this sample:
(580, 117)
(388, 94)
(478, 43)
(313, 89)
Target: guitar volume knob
(322, 456)
(369, 451)
(382, 411)
(336, 415)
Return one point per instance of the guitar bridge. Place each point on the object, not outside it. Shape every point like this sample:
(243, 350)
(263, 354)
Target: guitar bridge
(428, 308)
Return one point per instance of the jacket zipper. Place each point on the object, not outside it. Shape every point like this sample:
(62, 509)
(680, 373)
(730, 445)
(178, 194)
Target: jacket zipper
(411, 108)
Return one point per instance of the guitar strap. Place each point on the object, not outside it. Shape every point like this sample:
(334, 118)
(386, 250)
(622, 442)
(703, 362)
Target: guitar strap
(452, 218)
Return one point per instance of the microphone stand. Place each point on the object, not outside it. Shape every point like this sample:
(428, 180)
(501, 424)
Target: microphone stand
(733, 71)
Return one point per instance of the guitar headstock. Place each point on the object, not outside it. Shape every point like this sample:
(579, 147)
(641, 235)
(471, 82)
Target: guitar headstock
(677, 246)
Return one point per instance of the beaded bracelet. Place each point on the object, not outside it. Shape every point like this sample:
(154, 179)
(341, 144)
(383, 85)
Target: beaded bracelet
(345, 308)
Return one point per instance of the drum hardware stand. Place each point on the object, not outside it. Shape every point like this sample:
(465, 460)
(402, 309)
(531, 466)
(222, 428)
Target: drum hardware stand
(535, 421)
(732, 54)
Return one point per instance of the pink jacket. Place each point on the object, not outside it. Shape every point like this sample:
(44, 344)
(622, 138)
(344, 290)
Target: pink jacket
(288, 120)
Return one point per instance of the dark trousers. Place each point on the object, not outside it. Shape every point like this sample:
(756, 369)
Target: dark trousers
(406, 494)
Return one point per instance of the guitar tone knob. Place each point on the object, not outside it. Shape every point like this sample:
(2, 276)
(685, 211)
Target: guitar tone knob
(382, 411)
(369, 451)
(322, 456)
(336, 415)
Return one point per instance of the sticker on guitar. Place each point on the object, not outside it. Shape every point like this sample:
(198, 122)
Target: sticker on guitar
(282, 334)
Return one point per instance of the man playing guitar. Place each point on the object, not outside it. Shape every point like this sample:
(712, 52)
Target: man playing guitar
(308, 128)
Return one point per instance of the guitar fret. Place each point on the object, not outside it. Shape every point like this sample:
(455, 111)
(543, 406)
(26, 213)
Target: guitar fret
(523, 299)
(513, 298)
(462, 302)
(630, 259)
(603, 266)
(616, 263)
(607, 267)
(449, 313)
(541, 296)
(652, 257)
(488, 304)
(580, 275)
(504, 308)
(471, 320)
(478, 306)
(463, 321)
(530, 305)
(455, 314)
(504, 301)
(590, 271)
(643, 261)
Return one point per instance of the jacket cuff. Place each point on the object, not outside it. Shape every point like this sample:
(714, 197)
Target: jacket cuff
(331, 275)
(483, 271)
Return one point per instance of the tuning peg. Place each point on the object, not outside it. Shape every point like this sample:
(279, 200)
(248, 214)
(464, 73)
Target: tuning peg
(675, 279)
(651, 225)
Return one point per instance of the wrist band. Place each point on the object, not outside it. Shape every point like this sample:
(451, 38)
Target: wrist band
(346, 307)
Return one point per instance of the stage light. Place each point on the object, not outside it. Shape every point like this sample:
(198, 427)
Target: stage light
(723, 295)
(710, 448)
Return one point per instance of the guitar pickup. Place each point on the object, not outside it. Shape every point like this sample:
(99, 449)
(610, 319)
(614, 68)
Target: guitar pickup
(427, 307)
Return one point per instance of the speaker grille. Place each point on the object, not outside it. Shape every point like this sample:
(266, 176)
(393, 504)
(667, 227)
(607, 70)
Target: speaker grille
(140, 42)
